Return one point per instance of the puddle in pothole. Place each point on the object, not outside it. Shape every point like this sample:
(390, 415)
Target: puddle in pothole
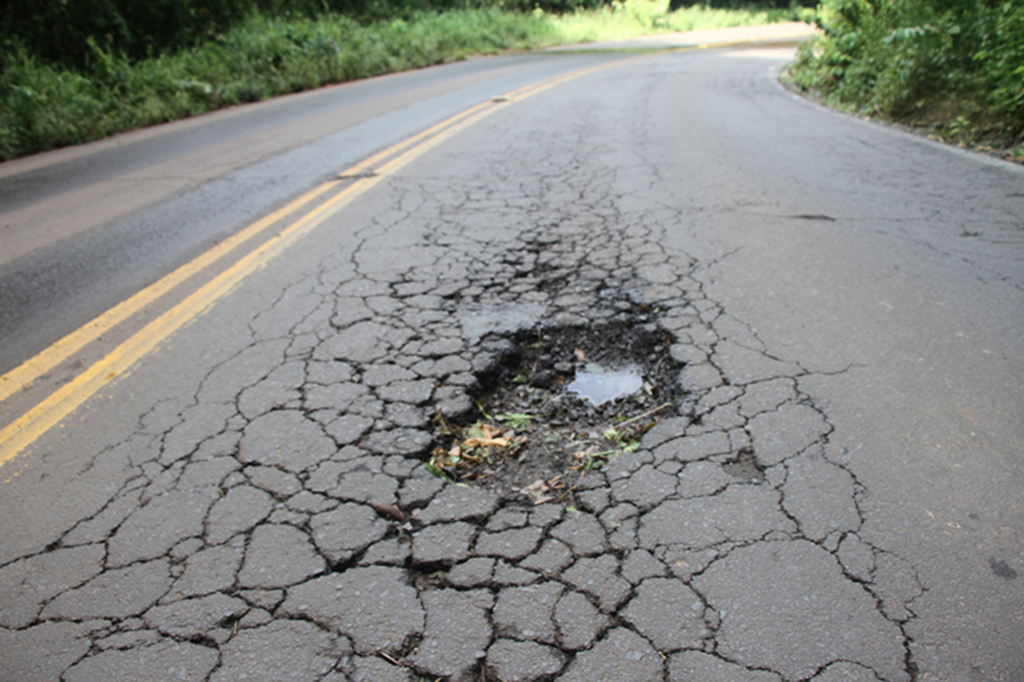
(550, 414)
(598, 385)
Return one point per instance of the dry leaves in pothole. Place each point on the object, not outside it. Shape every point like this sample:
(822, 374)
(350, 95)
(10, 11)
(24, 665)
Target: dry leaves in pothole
(592, 458)
(541, 491)
(481, 443)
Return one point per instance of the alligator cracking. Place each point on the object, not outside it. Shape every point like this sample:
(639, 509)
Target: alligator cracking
(274, 517)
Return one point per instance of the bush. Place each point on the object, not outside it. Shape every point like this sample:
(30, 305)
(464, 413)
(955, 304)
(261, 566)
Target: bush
(955, 66)
(44, 106)
(48, 105)
(60, 31)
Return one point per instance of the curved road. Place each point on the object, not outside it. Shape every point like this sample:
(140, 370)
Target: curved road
(229, 485)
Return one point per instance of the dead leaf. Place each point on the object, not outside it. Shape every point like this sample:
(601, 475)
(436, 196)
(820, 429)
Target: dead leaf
(481, 430)
(388, 511)
(487, 442)
(583, 454)
(535, 491)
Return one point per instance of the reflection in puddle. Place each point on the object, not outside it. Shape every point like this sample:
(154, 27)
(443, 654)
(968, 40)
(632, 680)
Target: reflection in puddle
(598, 385)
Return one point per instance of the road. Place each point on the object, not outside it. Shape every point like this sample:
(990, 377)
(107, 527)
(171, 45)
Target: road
(223, 480)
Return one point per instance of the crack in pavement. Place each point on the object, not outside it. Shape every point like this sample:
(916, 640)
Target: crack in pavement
(278, 502)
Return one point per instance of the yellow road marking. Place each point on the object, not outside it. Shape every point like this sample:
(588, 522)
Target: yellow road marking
(29, 427)
(27, 373)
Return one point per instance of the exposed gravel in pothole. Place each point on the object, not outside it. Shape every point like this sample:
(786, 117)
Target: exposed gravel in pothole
(555, 435)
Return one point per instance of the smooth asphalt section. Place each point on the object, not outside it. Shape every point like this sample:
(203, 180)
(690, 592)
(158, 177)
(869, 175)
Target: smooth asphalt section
(835, 495)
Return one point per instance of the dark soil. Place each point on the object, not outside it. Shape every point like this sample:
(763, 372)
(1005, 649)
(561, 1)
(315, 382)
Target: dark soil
(565, 436)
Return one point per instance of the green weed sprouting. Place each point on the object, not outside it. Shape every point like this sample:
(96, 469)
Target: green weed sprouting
(516, 420)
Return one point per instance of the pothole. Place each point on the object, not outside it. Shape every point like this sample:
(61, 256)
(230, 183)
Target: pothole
(565, 401)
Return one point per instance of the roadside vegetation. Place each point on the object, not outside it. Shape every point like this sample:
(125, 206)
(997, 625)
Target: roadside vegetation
(952, 68)
(77, 70)
(50, 105)
(632, 18)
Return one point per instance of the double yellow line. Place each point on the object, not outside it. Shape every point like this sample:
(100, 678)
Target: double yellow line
(21, 433)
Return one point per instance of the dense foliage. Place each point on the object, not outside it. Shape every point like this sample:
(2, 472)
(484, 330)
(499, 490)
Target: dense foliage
(954, 66)
(70, 31)
(44, 106)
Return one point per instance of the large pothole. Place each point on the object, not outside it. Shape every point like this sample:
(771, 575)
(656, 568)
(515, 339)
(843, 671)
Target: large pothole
(564, 401)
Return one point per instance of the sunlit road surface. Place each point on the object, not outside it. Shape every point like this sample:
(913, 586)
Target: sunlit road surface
(224, 341)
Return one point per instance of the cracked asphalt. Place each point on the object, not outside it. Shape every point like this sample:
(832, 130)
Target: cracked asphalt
(837, 497)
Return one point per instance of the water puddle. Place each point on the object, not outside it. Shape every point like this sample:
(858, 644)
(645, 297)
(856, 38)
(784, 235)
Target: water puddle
(599, 385)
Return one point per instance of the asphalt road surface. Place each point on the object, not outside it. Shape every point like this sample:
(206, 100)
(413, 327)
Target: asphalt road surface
(221, 479)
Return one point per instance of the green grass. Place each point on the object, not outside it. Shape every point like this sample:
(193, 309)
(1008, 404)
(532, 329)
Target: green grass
(44, 106)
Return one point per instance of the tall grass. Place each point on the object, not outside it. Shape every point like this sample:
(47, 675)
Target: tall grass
(44, 106)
